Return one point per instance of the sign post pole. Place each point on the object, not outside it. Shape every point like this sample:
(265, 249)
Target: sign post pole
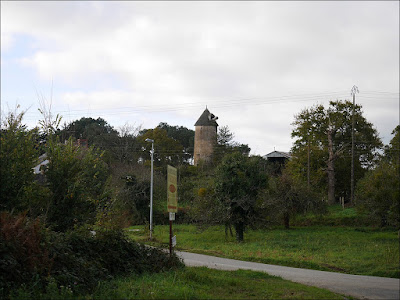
(172, 202)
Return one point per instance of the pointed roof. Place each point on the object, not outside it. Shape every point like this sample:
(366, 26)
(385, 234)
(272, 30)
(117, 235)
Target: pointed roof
(204, 119)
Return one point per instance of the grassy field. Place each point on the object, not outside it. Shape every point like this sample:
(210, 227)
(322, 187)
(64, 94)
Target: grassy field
(203, 283)
(363, 251)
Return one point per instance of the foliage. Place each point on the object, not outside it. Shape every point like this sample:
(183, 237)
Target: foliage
(288, 196)
(37, 258)
(392, 151)
(238, 180)
(76, 178)
(166, 149)
(87, 128)
(378, 194)
(181, 134)
(226, 144)
(21, 252)
(327, 133)
(205, 208)
(18, 156)
(98, 132)
(137, 195)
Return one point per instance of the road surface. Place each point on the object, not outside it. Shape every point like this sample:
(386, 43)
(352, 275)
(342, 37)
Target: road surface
(362, 287)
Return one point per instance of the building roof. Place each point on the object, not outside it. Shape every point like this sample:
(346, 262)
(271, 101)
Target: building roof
(207, 119)
(278, 154)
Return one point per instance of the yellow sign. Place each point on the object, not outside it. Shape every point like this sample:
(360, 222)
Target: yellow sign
(172, 189)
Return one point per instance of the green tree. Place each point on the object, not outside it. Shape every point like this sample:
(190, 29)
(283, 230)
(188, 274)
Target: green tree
(76, 178)
(226, 144)
(392, 151)
(166, 150)
(325, 133)
(378, 193)
(18, 155)
(238, 181)
(288, 196)
(183, 135)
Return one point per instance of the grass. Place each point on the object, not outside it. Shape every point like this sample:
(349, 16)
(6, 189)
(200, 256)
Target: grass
(336, 216)
(203, 283)
(352, 250)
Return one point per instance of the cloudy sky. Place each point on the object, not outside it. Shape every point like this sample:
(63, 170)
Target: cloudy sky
(254, 64)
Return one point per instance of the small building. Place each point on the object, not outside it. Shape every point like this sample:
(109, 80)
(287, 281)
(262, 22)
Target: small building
(278, 159)
(278, 156)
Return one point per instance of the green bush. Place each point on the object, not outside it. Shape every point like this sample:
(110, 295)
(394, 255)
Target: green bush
(378, 195)
(33, 257)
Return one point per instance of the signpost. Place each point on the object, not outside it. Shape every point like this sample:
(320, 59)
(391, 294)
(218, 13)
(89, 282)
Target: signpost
(172, 202)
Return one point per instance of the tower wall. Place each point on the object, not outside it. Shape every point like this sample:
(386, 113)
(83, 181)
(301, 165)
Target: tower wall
(205, 139)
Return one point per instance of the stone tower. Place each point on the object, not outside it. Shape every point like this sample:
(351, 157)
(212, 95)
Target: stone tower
(205, 138)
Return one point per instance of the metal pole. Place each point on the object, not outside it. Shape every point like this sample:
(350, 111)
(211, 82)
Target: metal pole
(170, 237)
(354, 90)
(151, 192)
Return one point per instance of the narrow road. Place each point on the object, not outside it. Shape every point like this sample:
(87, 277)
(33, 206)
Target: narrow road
(362, 287)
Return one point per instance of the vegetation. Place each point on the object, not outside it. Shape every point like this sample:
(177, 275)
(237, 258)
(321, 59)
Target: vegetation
(204, 283)
(325, 133)
(33, 257)
(17, 158)
(288, 196)
(378, 193)
(352, 250)
(61, 229)
(238, 182)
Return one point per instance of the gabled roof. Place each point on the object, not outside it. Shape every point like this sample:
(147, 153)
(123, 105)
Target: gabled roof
(206, 119)
(278, 154)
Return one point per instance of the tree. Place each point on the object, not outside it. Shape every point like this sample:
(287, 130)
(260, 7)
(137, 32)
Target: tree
(76, 179)
(18, 156)
(166, 150)
(238, 181)
(378, 193)
(327, 133)
(226, 144)
(392, 151)
(183, 135)
(288, 196)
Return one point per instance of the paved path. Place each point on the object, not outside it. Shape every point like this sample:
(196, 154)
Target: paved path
(362, 287)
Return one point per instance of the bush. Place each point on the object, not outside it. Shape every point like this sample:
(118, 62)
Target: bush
(33, 258)
(378, 195)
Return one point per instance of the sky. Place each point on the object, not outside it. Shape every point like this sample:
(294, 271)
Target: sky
(255, 65)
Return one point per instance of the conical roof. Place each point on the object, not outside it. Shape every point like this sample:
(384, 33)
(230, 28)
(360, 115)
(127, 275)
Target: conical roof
(206, 119)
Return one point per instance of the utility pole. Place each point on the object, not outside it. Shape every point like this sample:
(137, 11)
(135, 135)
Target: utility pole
(151, 188)
(354, 90)
(308, 163)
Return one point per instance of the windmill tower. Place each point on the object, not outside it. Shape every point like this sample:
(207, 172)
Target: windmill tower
(205, 138)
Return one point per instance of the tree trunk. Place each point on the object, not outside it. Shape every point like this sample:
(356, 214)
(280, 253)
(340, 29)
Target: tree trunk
(331, 170)
(286, 220)
(239, 228)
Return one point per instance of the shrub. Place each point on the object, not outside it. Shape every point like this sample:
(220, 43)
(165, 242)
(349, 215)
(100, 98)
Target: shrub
(378, 195)
(33, 258)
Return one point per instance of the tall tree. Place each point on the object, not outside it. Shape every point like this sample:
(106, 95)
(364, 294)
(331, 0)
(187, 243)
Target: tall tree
(288, 196)
(392, 151)
(18, 155)
(226, 144)
(183, 135)
(328, 131)
(166, 150)
(238, 180)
